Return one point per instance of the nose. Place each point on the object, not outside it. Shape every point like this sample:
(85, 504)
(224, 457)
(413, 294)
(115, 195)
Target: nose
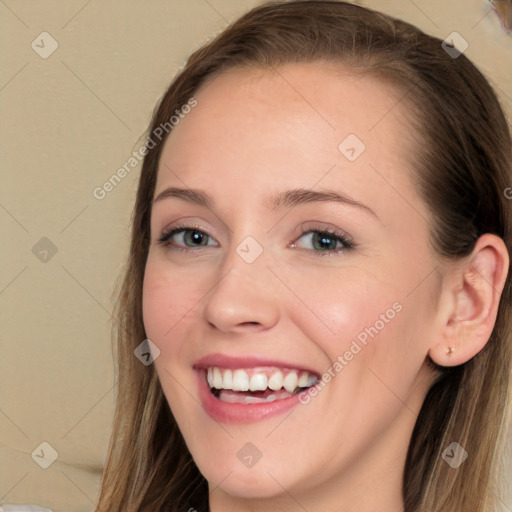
(245, 295)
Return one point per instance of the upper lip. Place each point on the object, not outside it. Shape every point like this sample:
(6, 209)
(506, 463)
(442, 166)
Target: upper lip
(253, 361)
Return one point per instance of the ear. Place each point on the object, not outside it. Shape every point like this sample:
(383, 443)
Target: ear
(470, 297)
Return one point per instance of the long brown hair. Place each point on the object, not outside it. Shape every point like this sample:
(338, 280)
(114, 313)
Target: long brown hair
(461, 167)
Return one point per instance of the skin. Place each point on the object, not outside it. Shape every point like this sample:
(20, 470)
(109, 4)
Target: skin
(255, 133)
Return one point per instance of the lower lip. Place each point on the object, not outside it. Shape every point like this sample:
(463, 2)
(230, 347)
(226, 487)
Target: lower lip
(226, 412)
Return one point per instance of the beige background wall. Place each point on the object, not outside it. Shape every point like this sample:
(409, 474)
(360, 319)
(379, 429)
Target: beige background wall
(69, 121)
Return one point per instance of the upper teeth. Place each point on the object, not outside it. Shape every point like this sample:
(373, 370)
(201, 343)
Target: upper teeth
(259, 379)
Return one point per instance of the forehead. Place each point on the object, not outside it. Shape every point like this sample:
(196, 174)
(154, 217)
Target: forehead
(300, 125)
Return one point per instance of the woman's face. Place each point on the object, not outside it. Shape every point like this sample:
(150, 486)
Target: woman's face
(333, 281)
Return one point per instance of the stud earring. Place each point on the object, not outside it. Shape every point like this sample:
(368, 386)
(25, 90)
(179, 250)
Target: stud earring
(450, 351)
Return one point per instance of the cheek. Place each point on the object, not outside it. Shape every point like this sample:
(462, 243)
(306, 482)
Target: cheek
(157, 303)
(341, 306)
(364, 324)
(168, 302)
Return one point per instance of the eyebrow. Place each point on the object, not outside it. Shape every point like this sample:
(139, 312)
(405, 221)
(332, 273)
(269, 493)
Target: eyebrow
(289, 198)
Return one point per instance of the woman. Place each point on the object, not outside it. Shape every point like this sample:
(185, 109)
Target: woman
(375, 378)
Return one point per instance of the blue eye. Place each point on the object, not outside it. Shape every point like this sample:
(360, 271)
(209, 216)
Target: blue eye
(325, 242)
(191, 234)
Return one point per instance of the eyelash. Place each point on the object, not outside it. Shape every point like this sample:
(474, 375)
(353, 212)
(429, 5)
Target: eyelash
(339, 236)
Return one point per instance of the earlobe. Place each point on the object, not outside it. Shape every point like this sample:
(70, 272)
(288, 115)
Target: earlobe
(472, 290)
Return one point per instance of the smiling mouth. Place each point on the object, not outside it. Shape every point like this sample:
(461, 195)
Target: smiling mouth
(257, 385)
